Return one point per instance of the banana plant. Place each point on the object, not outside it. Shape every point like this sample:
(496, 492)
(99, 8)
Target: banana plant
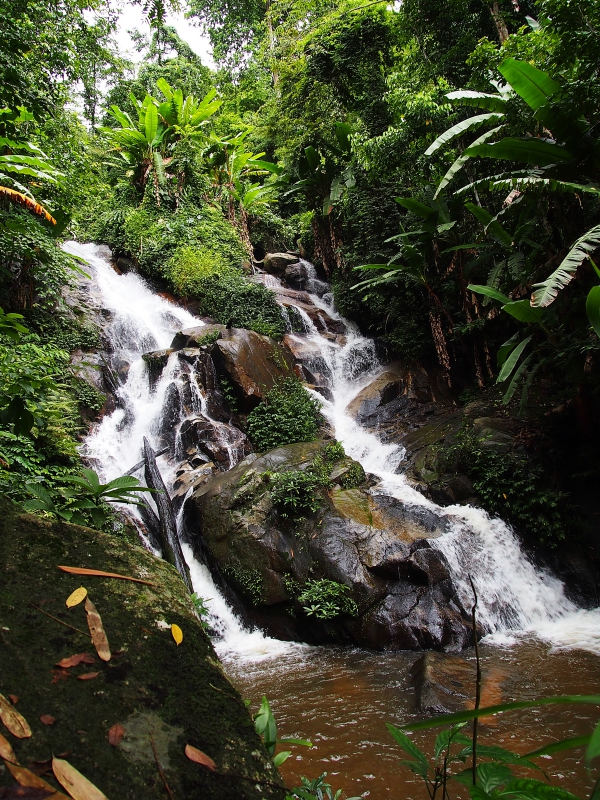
(87, 499)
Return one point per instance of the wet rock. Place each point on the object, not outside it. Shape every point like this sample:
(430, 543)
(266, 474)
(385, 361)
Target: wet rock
(253, 363)
(171, 415)
(443, 683)
(156, 361)
(382, 390)
(224, 444)
(296, 275)
(125, 265)
(193, 337)
(375, 545)
(276, 263)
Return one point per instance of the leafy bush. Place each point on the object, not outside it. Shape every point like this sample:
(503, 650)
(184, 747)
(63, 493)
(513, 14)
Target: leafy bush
(353, 477)
(511, 487)
(288, 414)
(293, 492)
(326, 599)
(333, 452)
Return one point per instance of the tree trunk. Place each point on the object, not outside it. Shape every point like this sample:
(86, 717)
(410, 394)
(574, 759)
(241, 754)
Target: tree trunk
(168, 528)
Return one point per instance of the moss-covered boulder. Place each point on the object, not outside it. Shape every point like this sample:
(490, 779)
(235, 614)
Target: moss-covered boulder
(353, 566)
(164, 695)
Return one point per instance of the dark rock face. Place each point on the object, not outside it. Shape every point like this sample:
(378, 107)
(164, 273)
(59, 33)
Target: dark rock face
(373, 544)
(296, 275)
(221, 443)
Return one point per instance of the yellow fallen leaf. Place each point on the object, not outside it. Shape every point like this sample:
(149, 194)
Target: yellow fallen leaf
(78, 596)
(97, 630)
(15, 722)
(73, 781)
(6, 750)
(25, 777)
(177, 634)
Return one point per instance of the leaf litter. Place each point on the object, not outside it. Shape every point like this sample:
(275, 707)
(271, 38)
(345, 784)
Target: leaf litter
(15, 722)
(97, 631)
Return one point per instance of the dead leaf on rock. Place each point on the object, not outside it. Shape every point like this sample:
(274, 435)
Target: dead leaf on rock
(78, 658)
(198, 757)
(15, 722)
(74, 782)
(116, 734)
(101, 574)
(97, 631)
(27, 778)
(28, 792)
(177, 634)
(59, 675)
(14, 699)
(6, 750)
(87, 676)
(47, 719)
(76, 597)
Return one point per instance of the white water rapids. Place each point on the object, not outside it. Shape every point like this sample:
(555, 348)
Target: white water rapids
(516, 598)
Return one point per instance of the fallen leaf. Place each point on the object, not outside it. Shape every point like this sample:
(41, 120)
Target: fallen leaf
(76, 597)
(15, 722)
(6, 750)
(78, 658)
(59, 675)
(27, 778)
(28, 792)
(74, 782)
(100, 574)
(199, 757)
(97, 630)
(115, 734)
(177, 634)
(14, 699)
(87, 676)
(47, 719)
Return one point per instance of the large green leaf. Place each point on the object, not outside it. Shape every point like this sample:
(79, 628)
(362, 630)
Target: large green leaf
(528, 789)
(489, 291)
(492, 226)
(460, 128)
(488, 102)
(547, 290)
(512, 387)
(512, 359)
(523, 311)
(150, 122)
(462, 160)
(592, 307)
(409, 747)
(416, 207)
(530, 83)
(533, 151)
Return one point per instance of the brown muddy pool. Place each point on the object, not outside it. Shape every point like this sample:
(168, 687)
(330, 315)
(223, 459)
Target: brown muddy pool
(341, 699)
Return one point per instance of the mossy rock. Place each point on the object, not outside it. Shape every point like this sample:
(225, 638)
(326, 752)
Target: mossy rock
(151, 686)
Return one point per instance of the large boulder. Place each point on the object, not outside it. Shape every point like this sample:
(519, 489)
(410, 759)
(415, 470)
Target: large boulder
(163, 695)
(276, 263)
(251, 362)
(376, 546)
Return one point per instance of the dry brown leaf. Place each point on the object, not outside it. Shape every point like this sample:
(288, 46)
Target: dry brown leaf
(6, 750)
(76, 597)
(27, 778)
(74, 782)
(25, 792)
(78, 658)
(15, 722)
(59, 675)
(115, 734)
(97, 631)
(199, 757)
(177, 634)
(14, 699)
(87, 676)
(47, 719)
(100, 574)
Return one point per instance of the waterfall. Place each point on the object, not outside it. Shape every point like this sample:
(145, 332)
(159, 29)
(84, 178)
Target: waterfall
(516, 598)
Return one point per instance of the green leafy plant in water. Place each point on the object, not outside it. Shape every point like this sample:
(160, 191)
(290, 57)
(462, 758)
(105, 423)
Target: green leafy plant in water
(266, 727)
(326, 599)
(316, 789)
(353, 478)
(201, 609)
(288, 414)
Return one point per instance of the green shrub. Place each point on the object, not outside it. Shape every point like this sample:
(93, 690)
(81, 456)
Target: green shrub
(87, 395)
(333, 452)
(293, 492)
(511, 487)
(189, 267)
(288, 414)
(326, 599)
(353, 478)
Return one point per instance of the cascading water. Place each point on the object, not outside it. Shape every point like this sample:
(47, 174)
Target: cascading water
(515, 597)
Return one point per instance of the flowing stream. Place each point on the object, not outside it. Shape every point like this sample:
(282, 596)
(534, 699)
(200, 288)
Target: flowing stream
(341, 698)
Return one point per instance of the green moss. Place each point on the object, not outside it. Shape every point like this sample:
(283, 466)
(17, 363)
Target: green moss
(248, 579)
(179, 691)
